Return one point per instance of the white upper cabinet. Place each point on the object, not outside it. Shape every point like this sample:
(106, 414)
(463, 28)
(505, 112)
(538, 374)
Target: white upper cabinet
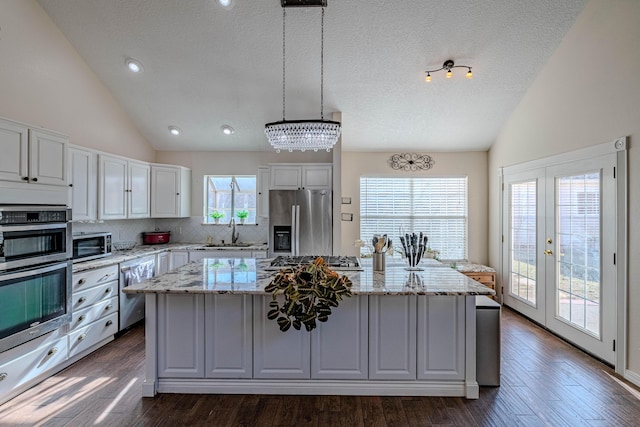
(170, 191)
(32, 156)
(263, 192)
(139, 178)
(124, 188)
(83, 183)
(301, 177)
(317, 177)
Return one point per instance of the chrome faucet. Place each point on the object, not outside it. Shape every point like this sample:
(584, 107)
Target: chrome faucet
(234, 234)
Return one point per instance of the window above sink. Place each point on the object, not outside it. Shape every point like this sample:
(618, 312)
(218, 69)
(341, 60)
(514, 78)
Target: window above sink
(229, 196)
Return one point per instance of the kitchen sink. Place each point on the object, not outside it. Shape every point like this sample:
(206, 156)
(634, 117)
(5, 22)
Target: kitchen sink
(228, 245)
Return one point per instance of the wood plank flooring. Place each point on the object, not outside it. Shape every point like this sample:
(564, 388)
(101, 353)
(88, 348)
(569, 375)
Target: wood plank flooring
(544, 382)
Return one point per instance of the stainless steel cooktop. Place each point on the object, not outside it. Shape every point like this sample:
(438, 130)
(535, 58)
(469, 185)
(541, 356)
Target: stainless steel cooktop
(335, 262)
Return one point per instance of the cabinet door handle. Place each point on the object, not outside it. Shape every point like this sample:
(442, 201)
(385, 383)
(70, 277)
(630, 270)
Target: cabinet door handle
(3, 375)
(177, 194)
(81, 300)
(81, 318)
(70, 185)
(107, 308)
(82, 337)
(53, 351)
(34, 179)
(82, 281)
(25, 178)
(109, 323)
(107, 291)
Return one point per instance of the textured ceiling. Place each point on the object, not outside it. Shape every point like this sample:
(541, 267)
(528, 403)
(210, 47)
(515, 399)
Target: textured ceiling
(205, 66)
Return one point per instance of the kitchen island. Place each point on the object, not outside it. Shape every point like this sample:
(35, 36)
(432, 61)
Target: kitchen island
(401, 333)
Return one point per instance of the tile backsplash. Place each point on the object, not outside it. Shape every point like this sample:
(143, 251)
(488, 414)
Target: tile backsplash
(183, 230)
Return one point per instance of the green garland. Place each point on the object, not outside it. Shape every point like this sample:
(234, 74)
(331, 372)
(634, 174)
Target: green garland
(309, 293)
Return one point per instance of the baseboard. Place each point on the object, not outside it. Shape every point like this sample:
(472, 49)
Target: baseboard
(632, 377)
(361, 388)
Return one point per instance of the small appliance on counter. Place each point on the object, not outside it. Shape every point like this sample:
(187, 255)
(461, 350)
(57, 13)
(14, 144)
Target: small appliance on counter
(87, 246)
(156, 237)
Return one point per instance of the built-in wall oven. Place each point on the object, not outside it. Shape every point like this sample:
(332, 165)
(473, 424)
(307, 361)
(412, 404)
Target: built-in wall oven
(35, 271)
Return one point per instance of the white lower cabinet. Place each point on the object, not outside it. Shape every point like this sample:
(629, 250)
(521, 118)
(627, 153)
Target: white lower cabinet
(94, 309)
(181, 336)
(26, 369)
(178, 259)
(163, 263)
(84, 317)
(339, 347)
(392, 337)
(88, 297)
(228, 336)
(84, 338)
(277, 354)
(225, 253)
(441, 338)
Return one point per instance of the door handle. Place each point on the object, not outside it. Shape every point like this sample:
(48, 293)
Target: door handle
(548, 252)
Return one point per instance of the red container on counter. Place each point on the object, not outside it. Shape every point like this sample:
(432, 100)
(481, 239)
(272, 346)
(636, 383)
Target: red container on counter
(156, 237)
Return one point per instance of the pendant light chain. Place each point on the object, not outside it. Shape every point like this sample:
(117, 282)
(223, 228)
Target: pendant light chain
(322, 66)
(284, 13)
(302, 134)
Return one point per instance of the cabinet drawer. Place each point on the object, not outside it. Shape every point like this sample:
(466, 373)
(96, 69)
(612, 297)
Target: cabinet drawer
(82, 318)
(26, 369)
(90, 278)
(88, 336)
(484, 278)
(84, 299)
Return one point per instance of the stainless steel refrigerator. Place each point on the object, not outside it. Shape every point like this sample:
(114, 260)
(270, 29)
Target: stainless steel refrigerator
(300, 222)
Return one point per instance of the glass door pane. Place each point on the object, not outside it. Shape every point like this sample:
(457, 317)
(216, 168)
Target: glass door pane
(523, 248)
(578, 222)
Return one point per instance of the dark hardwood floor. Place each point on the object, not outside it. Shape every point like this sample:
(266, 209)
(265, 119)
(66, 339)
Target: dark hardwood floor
(544, 382)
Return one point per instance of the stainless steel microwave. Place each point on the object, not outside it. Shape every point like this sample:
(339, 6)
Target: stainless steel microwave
(87, 246)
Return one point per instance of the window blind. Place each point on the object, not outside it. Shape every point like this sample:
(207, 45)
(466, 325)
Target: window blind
(435, 206)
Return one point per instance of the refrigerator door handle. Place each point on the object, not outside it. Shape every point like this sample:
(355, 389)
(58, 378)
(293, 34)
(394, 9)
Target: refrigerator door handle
(297, 229)
(294, 227)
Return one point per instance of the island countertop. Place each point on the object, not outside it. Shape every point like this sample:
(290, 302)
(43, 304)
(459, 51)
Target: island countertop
(249, 276)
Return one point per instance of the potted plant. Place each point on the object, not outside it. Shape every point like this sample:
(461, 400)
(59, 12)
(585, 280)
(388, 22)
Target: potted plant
(309, 292)
(216, 216)
(242, 215)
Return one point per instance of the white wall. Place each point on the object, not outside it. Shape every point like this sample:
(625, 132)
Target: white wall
(588, 93)
(471, 164)
(44, 82)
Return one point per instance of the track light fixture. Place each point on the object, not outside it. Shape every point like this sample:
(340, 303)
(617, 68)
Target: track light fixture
(448, 65)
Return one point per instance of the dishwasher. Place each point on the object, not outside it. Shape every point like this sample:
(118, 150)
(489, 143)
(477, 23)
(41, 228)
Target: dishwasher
(131, 273)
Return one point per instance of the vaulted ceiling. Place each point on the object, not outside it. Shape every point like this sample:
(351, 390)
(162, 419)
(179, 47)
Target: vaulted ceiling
(206, 66)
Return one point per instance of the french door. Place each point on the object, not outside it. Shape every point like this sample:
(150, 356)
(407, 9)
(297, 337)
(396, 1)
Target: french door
(559, 228)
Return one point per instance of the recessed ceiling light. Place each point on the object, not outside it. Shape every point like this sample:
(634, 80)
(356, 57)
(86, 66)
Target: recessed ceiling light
(226, 129)
(227, 4)
(133, 65)
(175, 130)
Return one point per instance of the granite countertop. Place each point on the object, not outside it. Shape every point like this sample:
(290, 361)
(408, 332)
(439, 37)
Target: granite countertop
(248, 276)
(470, 267)
(144, 250)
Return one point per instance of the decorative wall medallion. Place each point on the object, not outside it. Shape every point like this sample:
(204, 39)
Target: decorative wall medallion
(411, 162)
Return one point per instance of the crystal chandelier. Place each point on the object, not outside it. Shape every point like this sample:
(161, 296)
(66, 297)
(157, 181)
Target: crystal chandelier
(303, 134)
